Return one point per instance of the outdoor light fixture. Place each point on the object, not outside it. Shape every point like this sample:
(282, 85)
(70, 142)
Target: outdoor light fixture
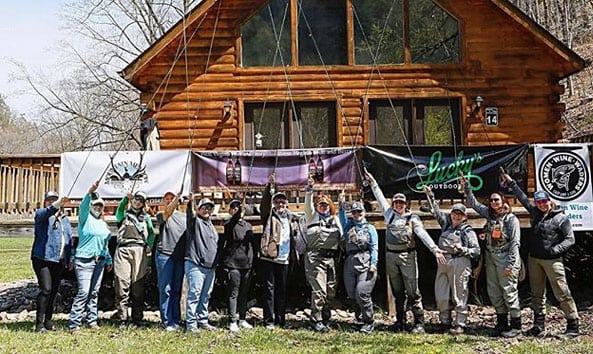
(477, 104)
(227, 108)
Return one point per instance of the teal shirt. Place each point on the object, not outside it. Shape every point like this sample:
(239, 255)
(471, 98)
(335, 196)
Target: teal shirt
(93, 234)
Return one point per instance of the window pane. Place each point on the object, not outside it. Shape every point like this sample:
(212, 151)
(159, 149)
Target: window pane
(378, 29)
(434, 34)
(316, 121)
(388, 124)
(268, 121)
(261, 32)
(322, 27)
(437, 125)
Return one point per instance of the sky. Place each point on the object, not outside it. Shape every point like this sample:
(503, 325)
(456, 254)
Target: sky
(28, 31)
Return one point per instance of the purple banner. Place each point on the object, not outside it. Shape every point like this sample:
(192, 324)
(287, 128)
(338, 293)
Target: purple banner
(249, 170)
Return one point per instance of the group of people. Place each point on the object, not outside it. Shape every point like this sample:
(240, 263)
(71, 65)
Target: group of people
(188, 245)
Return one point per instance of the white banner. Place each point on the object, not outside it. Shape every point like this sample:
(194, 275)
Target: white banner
(564, 171)
(154, 172)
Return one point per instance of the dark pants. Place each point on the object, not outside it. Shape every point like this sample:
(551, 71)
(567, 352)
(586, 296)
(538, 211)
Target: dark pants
(273, 277)
(48, 275)
(238, 291)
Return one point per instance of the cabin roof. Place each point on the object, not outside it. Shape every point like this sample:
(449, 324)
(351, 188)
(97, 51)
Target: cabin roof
(238, 11)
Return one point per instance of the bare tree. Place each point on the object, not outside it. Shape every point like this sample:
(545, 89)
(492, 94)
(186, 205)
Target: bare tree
(92, 107)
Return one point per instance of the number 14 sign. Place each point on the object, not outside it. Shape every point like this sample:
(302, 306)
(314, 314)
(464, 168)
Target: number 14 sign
(492, 116)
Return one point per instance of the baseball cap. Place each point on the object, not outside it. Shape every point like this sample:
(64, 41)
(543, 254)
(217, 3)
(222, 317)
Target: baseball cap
(235, 203)
(459, 207)
(170, 192)
(541, 195)
(399, 197)
(51, 194)
(280, 195)
(98, 201)
(141, 195)
(323, 200)
(205, 201)
(357, 206)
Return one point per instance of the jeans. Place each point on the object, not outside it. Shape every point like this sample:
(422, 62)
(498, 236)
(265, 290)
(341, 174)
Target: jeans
(200, 281)
(89, 274)
(273, 276)
(48, 275)
(170, 280)
(238, 290)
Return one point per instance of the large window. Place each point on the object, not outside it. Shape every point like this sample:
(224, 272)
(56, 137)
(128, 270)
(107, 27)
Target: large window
(385, 32)
(286, 125)
(322, 32)
(434, 34)
(378, 31)
(419, 122)
(265, 37)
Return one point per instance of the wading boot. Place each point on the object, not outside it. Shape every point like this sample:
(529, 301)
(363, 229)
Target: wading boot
(515, 328)
(502, 324)
(418, 324)
(572, 327)
(538, 325)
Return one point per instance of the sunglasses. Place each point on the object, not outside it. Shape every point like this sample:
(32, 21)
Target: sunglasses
(140, 199)
(322, 204)
(280, 201)
(542, 201)
(494, 200)
(356, 211)
(206, 207)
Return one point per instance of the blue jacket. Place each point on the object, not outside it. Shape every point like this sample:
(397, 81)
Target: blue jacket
(48, 235)
(93, 234)
(374, 237)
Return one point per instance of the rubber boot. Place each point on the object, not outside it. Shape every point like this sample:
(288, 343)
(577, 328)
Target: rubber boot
(515, 328)
(39, 319)
(502, 324)
(400, 320)
(538, 325)
(418, 324)
(572, 327)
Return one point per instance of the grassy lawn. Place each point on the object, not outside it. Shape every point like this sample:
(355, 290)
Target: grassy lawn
(18, 337)
(15, 258)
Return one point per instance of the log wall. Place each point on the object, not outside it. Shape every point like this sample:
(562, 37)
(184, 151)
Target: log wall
(501, 61)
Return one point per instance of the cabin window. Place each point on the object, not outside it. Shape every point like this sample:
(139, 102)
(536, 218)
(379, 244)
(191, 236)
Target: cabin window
(290, 125)
(378, 31)
(261, 33)
(420, 122)
(434, 33)
(322, 32)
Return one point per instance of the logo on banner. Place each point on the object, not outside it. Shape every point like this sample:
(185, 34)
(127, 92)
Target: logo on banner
(564, 175)
(440, 175)
(125, 174)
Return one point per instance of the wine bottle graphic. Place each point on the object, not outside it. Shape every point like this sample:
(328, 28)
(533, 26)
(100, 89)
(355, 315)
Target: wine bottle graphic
(312, 167)
(230, 177)
(319, 170)
(237, 172)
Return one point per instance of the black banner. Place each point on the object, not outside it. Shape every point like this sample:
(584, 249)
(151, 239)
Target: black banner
(399, 169)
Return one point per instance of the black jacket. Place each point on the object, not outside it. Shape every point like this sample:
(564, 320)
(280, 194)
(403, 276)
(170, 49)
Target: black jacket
(237, 243)
(552, 233)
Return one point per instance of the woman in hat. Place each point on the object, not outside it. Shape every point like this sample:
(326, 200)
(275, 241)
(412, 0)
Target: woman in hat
(201, 258)
(170, 258)
(323, 235)
(551, 238)
(459, 244)
(237, 259)
(502, 238)
(360, 266)
(90, 257)
(51, 247)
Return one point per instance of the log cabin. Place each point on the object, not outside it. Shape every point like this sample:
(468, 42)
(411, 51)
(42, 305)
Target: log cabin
(282, 74)
(317, 73)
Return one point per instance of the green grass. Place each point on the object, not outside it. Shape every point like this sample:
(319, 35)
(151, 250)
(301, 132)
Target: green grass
(15, 258)
(18, 337)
